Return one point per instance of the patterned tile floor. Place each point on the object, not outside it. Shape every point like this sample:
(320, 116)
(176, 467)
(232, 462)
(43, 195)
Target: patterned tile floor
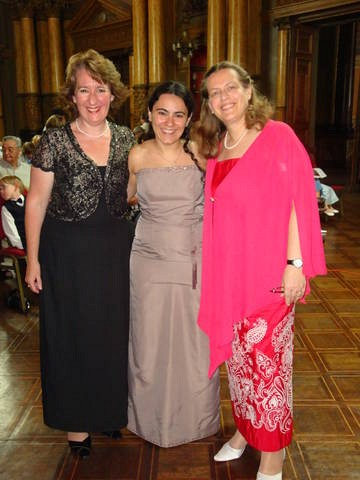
(326, 443)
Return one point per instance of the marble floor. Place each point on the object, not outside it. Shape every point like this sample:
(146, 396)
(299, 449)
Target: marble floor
(326, 442)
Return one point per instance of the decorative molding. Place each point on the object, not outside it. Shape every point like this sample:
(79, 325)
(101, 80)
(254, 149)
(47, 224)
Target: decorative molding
(319, 8)
(113, 37)
(103, 25)
(100, 13)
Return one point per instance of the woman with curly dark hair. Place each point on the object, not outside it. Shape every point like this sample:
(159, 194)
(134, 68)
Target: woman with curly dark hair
(171, 400)
(78, 255)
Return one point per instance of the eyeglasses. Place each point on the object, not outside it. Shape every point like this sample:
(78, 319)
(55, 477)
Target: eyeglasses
(277, 290)
(219, 92)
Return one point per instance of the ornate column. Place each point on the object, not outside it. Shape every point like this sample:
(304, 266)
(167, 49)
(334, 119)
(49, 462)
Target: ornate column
(238, 32)
(216, 50)
(69, 43)
(156, 33)
(31, 96)
(50, 58)
(282, 67)
(56, 57)
(139, 62)
(44, 54)
(19, 72)
(19, 62)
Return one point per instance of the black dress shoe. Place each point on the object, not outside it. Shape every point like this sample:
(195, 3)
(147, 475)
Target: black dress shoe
(115, 434)
(82, 449)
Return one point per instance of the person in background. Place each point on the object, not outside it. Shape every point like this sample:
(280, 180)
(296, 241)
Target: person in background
(261, 245)
(78, 247)
(12, 191)
(171, 399)
(54, 121)
(325, 192)
(36, 139)
(27, 150)
(138, 133)
(144, 121)
(13, 163)
(142, 129)
(328, 194)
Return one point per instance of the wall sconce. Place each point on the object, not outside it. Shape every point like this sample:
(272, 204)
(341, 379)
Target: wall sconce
(183, 48)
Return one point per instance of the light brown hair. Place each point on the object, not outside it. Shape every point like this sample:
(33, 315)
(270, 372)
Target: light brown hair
(100, 69)
(207, 132)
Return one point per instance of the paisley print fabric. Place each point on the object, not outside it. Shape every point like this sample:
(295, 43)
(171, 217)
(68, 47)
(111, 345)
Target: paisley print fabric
(260, 377)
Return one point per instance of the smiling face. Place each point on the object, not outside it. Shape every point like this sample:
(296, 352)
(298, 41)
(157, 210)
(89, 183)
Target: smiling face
(169, 117)
(228, 98)
(91, 98)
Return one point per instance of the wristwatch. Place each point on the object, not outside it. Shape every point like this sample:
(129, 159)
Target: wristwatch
(296, 262)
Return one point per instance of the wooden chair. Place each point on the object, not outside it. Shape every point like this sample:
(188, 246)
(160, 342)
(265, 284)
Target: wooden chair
(16, 298)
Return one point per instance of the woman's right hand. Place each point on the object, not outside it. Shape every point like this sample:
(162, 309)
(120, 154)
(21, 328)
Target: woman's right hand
(33, 276)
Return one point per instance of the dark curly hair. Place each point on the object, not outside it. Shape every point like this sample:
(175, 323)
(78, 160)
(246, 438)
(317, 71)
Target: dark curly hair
(175, 88)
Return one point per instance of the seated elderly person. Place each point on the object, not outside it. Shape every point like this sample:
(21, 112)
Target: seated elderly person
(12, 162)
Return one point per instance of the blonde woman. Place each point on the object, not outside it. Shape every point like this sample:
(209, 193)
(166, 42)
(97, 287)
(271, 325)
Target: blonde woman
(261, 244)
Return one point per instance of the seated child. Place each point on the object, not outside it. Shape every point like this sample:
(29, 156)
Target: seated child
(13, 210)
(325, 192)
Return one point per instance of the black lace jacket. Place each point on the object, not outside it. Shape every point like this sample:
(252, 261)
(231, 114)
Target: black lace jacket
(77, 180)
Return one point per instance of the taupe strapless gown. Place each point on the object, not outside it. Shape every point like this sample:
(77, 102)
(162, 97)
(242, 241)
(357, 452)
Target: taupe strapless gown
(171, 399)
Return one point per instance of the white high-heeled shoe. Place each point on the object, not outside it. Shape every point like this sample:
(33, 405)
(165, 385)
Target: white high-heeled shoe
(276, 476)
(264, 476)
(227, 453)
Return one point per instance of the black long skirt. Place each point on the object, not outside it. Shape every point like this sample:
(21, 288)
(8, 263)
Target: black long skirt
(84, 320)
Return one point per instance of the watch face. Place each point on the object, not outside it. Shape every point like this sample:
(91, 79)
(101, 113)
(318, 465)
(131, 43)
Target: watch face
(298, 263)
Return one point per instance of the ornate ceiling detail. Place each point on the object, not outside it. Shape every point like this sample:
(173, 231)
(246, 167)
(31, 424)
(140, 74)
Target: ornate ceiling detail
(39, 3)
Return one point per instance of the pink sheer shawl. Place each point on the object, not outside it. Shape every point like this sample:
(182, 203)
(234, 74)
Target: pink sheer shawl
(246, 229)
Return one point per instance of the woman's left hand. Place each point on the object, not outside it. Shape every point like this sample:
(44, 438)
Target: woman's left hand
(294, 283)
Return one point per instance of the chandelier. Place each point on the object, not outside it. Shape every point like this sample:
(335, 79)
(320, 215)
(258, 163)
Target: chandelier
(183, 48)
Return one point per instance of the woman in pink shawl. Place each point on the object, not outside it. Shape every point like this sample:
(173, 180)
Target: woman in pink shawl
(261, 245)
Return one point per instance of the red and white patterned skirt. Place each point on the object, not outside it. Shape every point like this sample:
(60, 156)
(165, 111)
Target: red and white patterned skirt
(260, 377)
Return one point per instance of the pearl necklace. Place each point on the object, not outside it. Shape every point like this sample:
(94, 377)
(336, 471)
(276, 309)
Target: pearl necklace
(89, 134)
(237, 141)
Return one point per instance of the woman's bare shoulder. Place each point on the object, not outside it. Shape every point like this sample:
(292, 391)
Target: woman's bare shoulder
(139, 156)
